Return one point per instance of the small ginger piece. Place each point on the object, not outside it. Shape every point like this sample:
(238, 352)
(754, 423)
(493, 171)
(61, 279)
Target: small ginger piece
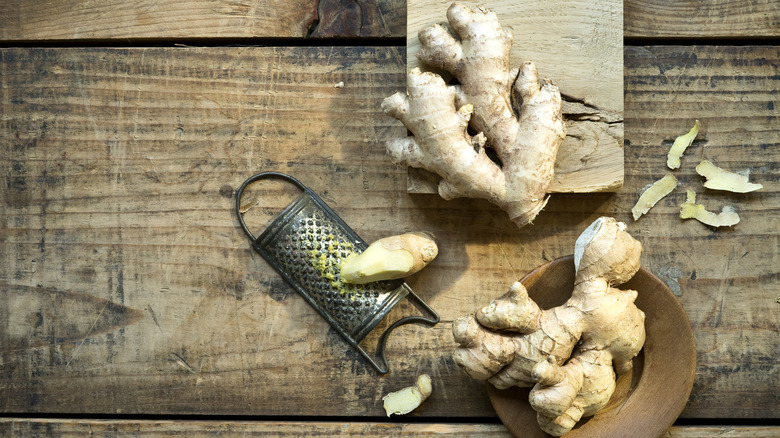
(653, 194)
(720, 179)
(680, 144)
(691, 210)
(390, 258)
(408, 399)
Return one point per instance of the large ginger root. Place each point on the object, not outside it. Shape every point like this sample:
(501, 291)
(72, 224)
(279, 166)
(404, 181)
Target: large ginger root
(515, 113)
(569, 353)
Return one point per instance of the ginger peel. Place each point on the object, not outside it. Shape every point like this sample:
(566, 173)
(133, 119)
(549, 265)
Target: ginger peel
(653, 194)
(514, 112)
(569, 354)
(679, 146)
(691, 210)
(720, 179)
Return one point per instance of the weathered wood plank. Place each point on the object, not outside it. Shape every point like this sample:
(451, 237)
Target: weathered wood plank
(33, 428)
(711, 19)
(361, 18)
(46, 20)
(579, 46)
(728, 278)
(137, 19)
(127, 286)
(13, 428)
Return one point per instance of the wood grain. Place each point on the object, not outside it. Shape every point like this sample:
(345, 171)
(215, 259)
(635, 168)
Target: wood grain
(711, 19)
(360, 18)
(118, 171)
(579, 46)
(42, 20)
(727, 278)
(46, 20)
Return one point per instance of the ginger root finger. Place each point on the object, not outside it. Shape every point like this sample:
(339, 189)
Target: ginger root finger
(390, 258)
(480, 353)
(513, 312)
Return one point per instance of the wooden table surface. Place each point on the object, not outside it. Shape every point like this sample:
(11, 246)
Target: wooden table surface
(131, 302)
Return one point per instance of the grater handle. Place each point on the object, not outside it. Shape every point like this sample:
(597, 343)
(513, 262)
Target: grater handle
(250, 180)
(382, 367)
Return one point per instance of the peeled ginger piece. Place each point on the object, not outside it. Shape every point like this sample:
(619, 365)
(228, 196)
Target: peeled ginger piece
(408, 399)
(681, 143)
(390, 258)
(653, 194)
(720, 179)
(691, 210)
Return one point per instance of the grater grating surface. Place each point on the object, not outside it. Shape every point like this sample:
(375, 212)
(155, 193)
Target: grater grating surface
(306, 244)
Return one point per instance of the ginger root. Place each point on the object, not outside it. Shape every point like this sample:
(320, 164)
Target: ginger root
(514, 112)
(569, 354)
(408, 399)
(390, 258)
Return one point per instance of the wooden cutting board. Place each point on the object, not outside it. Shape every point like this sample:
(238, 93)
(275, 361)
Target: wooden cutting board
(579, 46)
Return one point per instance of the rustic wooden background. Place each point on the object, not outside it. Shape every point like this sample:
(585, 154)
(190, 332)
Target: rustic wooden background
(131, 302)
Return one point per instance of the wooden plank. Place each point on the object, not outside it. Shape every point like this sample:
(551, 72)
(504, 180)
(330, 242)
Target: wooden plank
(728, 278)
(128, 286)
(722, 431)
(711, 19)
(579, 46)
(118, 180)
(13, 427)
(196, 429)
(361, 18)
(40, 20)
(45, 20)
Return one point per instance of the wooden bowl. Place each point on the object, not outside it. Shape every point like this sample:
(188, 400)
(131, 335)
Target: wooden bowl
(647, 400)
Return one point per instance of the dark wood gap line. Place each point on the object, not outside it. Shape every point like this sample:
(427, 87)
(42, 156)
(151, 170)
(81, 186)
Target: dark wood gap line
(702, 41)
(240, 418)
(347, 42)
(207, 42)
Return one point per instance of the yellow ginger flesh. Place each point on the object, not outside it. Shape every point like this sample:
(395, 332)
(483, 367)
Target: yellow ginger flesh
(390, 258)
(720, 179)
(653, 194)
(691, 210)
(406, 400)
(681, 143)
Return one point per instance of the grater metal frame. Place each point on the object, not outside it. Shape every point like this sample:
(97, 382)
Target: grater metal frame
(399, 289)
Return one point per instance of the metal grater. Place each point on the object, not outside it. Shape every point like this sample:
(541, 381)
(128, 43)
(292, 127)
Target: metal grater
(306, 244)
